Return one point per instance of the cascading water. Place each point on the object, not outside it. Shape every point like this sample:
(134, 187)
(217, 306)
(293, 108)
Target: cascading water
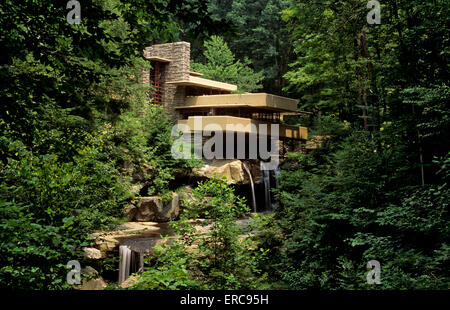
(266, 172)
(125, 262)
(277, 173)
(266, 180)
(130, 262)
(252, 185)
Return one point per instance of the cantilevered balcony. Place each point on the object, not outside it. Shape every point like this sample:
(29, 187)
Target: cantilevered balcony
(240, 113)
(261, 101)
(194, 80)
(227, 123)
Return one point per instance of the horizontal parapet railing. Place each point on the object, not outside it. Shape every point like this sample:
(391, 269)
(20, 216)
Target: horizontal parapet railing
(258, 100)
(293, 132)
(205, 83)
(239, 124)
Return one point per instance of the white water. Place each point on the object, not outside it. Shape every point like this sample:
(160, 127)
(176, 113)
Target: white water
(125, 263)
(266, 179)
(266, 171)
(252, 185)
(130, 262)
(277, 177)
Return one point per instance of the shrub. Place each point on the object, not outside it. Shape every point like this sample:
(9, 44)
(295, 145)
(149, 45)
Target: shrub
(347, 204)
(210, 250)
(48, 209)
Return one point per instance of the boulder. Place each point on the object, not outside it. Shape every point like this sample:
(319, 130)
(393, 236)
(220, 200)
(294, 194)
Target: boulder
(232, 169)
(108, 242)
(185, 194)
(315, 142)
(142, 175)
(130, 211)
(136, 189)
(95, 282)
(154, 209)
(132, 280)
(255, 169)
(92, 253)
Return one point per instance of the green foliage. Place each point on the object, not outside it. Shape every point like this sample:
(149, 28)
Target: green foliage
(68, 94)
(342, 208)
(221, 66)
(142, 142)
(343, 64)
(256, 31)
(49, 208)
(324, 71)
(267, 235)
(431, 120)
(368, 196)
(59, 77)
(75, 125)
(211, 251)
(170, 270)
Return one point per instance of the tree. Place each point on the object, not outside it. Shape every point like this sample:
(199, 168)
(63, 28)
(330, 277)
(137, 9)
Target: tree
(66, 91)
(221, 66)
(377, 188)
(345, 204)
(211, 250)
(361, 73)
(257, 32)
(333, 71)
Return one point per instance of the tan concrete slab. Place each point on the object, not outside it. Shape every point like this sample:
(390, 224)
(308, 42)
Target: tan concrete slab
(240, 124)
(205, 83)
(256, 100)
(193, 73)
(160, 59)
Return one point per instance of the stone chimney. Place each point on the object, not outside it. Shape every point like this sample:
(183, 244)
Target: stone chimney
(175, 64)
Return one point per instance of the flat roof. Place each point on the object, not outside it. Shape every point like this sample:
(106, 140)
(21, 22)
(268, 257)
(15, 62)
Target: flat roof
(205, 83)
(256, 100)
(160, 59)
(193, 73)
(240, 124)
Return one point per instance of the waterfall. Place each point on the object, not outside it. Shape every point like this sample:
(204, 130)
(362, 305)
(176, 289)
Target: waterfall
(266, 179)
(277, 177)
(266, 172)
(252, 185)
(125, 263)
(130, 262)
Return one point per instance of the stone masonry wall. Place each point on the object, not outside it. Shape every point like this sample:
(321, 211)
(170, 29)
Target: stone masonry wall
(179, 54)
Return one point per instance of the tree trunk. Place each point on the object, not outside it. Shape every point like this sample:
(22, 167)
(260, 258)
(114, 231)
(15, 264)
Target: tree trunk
(374, 102)
(360, 88)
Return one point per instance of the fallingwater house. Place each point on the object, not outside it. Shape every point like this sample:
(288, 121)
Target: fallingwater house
(187, 96)
(199, 104)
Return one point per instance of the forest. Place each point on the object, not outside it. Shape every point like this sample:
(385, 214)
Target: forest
(77, 124)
